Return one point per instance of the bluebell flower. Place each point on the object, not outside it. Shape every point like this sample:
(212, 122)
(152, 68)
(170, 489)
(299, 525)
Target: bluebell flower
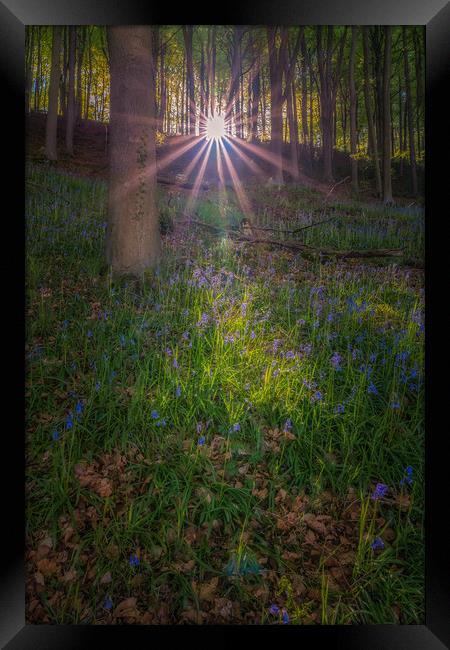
(285, 617)
(78, 408)
(175, 363)
(287, 425)
(107, 603)
(377, 543)
(178, 391)
(380, 491)
(161, 423)
(372, 389)
(134, 560)
(69, 421)
(340, 408)
(395, 404)
(55, 435)
(236, 427)
(201, 441)
(155, 415)
(274, 609)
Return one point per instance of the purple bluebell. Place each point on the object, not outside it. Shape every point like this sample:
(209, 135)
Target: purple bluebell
(380, 491)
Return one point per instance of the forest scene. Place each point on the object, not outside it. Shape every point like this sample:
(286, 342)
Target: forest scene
(224, 324)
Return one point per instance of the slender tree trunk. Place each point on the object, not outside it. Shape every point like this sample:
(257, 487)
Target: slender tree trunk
(409, 111)
(89, 76)
(188, 34)
(80, 51)
(29, 67)
(37, 90)
(70, 120)
(353, 130)
(293, 130)
(51, 128)
(256, 97)
(387, 183)
(400, 122)
(133, 239)
(370, 121)
(326, 105)
(276, 115)
(163, 90)
(304, 92)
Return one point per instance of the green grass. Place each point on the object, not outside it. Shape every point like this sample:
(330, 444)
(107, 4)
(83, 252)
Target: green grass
(253, 334)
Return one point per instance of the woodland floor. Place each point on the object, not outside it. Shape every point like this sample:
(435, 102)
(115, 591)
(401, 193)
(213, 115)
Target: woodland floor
(237, 440)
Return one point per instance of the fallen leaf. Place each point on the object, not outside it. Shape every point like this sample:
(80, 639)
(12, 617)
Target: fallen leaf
(47, 567)
(106, 579)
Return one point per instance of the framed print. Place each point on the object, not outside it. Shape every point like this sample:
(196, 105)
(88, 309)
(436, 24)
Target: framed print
(225, 233)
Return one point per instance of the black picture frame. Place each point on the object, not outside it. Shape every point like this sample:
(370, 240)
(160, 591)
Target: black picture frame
(435, 15)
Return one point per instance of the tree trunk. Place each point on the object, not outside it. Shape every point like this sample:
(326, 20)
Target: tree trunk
(37, 88)
(89, 76)
(370, 121)
(304, 92)
(276, 115)
(29, 66)
(387, 183)
(326, 105)
(409, 111)
(188, 33)
(51, 127)
(70, 121)
(80, 51)
(353, 137)
(163, 90)
(133, 238)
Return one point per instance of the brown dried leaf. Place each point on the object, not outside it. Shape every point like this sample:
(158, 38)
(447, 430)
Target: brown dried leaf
(47, 567)
(207, 590)
(314, 523)
(127, 608)
(39, 578)
(106, 578)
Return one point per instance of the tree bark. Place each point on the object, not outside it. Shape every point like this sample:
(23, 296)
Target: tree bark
(353, 99)
(133, 238)
(29, 67)
(387, 182)
(80, 51)
(188, 34)
(409, 111)
(373, 143)
(51, 126)
(70, 120)
(276, 115)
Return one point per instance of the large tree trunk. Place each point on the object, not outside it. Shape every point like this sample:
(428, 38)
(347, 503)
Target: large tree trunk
(70, 120)
(133, 239)
(353, 99)
(409, 111)
(304, 93)
(387, 183)
(373, 143)
(51, 126)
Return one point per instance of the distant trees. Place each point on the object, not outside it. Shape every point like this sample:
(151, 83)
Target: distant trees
(133, 239)
(308, 92)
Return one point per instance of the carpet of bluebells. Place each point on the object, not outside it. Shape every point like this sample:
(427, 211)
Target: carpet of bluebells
(237, 440)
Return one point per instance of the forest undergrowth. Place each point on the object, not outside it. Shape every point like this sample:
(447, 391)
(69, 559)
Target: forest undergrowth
(239, 438)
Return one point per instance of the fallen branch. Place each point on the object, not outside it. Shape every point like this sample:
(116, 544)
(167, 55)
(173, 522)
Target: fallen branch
(326, 252)
(296, 246)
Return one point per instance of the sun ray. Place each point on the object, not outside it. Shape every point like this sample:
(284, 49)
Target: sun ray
(201, 172)
(237, 185)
